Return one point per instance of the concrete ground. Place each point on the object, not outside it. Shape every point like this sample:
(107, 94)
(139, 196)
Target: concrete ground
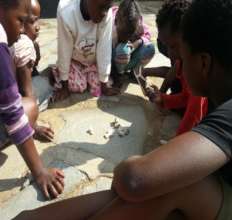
(87, 160)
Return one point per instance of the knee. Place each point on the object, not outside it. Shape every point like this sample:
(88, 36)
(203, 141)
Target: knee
(31, 109)
(128, 181)
(122, 54)
(148, 53)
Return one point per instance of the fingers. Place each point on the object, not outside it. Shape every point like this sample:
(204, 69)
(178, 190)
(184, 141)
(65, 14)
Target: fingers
(60, 173)
(45, 191)
(52, 191)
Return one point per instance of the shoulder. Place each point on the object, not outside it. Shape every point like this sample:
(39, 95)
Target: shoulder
(217, 126)
(3, 36)
(67, 6)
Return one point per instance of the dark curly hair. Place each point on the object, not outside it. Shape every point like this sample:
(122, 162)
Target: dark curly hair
(207, 27)
(171, 14)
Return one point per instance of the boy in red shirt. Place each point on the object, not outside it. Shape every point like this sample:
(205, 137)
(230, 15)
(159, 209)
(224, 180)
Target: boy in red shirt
(196, 107)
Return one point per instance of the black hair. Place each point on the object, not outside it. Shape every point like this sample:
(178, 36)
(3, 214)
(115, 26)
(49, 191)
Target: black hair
(129, 10)
(9, 3)
(171, 14)
(207, 27)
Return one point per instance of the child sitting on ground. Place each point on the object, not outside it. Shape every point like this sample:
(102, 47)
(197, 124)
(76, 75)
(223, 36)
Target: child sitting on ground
(132, 48)
(168, 22)
(84, 48)
(14, 123)
(26, 55)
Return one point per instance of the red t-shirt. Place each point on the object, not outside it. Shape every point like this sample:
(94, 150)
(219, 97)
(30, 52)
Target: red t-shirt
(196, 107)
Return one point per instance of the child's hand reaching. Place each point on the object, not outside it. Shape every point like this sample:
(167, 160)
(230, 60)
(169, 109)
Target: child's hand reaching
(154, 96)
(51, 182)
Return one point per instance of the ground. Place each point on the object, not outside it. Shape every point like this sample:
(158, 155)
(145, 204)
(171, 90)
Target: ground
(87, 160)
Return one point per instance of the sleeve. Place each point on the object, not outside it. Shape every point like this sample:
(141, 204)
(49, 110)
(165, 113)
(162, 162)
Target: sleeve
(217, 127)
(195, 111)
(176, 101)
(11, 110)
(65, 48)
(23, 51)
(146, 37)
(104, 48)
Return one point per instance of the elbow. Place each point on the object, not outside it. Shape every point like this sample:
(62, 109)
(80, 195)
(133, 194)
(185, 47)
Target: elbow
(128, 180)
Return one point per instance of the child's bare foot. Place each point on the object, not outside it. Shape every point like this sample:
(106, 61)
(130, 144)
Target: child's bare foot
(43, 133)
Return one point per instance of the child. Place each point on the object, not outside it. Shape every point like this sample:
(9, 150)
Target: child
(84, 47)
(169, 21)
(131, 38)
(14, 122)
(26, 55)
(191, 175)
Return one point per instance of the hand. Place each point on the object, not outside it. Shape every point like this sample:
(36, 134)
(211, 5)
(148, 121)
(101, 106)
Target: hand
(44, 133)
(51, 182)
(154, 95)
(109, 91)
(62, 93)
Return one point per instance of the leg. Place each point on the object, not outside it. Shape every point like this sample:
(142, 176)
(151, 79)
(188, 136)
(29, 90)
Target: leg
(207, 194)
(93, 80)
(72, 209)
(141, 56)
(77, 79)
(42, 90)
(121, 57)
(31, 109)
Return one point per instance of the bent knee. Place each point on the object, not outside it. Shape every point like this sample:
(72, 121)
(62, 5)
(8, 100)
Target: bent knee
(31, 109)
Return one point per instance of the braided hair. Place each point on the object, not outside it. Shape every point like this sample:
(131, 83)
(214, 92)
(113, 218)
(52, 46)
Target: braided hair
(171, 14)
(130, 15)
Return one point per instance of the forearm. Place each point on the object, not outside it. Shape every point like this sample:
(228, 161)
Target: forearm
(156, 71)
(182, 162)
(31, 156)
(24, 80)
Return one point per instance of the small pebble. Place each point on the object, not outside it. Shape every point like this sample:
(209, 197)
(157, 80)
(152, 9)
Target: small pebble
(122, 132)
(90, 131)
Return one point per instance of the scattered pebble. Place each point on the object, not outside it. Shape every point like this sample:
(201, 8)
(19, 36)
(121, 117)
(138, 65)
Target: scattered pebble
(115, 124)
(90, 131)
(109, 133)
(122, 132)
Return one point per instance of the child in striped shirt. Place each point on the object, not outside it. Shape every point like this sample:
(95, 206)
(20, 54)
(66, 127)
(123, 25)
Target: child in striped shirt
(14, 123)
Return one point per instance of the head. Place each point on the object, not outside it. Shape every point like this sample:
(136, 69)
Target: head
(98, 9)
(169, 23)
(13, 14)
(128, 20)
(206, 47)
(32, 26)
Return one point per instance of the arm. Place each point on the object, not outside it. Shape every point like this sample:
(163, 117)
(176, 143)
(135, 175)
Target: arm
(65, 47)
(24, 80)
(104, 48)
(182, 162)
(65, 50)
(195, 111)
(17, 125)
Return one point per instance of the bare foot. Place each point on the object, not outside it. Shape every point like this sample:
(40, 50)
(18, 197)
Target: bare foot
(44, 133)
